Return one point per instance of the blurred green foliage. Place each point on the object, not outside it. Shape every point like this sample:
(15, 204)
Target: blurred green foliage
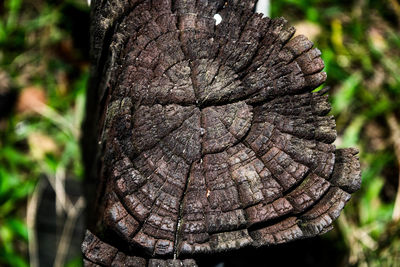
(37, 50)
(360, 44)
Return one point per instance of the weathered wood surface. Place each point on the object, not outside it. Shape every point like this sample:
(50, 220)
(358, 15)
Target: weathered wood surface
(204, 138)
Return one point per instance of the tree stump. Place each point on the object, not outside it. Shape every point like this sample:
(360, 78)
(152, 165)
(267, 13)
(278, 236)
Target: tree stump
(204, 138)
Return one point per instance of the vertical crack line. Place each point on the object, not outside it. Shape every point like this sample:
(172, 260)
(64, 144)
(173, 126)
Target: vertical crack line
(178, 232)
(202, 133)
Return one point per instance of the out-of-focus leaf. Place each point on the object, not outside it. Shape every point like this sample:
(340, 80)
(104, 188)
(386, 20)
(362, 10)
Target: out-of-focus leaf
(380, 107)
(13, 9)
(375, 164)
(9, 198)
(7, 207)
(3, 32)
(47, 17)
(19, 227)
(337, 36)
(51, 164)
(351, 135)
(77, 262)
(25, 188)
(9, 180)
(13, 156)
(345, 95)
(370, 202)
(312, 14)
(327, 56)
(6, 235)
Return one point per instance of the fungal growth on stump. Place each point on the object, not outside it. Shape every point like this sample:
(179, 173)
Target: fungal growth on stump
(206, 138)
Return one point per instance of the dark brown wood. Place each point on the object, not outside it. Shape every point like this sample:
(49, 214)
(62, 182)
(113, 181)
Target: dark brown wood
(205, 138)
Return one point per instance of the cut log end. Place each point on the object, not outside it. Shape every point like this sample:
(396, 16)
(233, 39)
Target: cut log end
(210, 138)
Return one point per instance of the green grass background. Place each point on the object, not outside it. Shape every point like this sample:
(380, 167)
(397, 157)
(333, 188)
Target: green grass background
(42, 47)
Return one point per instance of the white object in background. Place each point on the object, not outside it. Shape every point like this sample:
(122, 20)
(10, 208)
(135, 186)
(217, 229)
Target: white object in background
(263, 6)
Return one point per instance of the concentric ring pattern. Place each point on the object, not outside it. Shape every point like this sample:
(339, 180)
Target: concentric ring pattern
(213, 138)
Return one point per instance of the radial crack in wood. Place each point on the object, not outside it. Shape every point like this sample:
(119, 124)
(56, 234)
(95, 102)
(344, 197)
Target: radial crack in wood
(204, 138)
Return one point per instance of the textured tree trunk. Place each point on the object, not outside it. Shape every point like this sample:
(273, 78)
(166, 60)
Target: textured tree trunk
(204, 138)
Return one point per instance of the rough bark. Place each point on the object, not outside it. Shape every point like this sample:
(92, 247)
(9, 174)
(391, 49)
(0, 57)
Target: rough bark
(204, 138)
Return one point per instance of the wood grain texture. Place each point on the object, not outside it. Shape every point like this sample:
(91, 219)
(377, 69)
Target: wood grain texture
(204, 138)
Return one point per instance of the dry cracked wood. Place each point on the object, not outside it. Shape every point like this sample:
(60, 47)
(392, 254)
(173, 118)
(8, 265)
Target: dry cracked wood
(206, 138)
